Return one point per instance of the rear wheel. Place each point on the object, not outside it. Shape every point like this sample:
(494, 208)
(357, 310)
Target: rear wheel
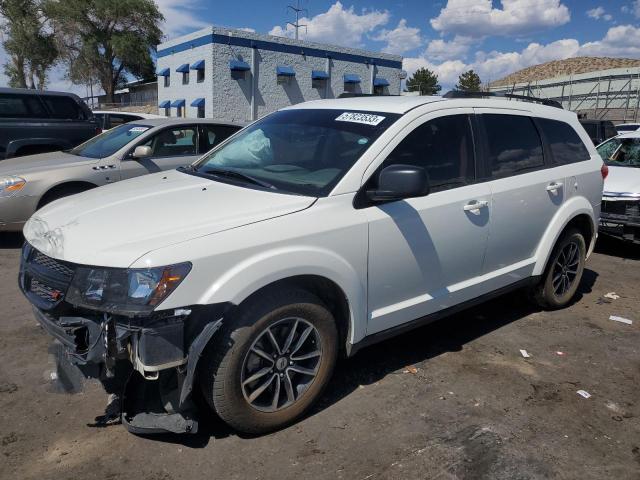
(270, 362)
(562, 276)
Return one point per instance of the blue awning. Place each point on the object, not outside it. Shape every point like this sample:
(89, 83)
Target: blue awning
(380, 82)
(165, 72)
(178, 103)
(184, 68)
(199, 65)
(351, 78)
(285, 71)
(165, 104)
(319, 75)
(238, 66)
(198, 102)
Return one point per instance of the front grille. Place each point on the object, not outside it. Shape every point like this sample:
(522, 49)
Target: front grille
(621, 207)
(44, 280)
(52, 264)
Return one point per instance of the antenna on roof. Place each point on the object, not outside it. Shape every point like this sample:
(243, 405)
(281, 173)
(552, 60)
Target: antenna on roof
(297, 10)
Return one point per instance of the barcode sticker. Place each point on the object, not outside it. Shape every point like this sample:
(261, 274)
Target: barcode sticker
(364, 118)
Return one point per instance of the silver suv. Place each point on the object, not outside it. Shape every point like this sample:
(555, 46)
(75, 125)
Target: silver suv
(313, 232)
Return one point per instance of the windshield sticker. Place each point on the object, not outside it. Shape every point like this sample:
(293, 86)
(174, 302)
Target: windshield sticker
(364, 118)
(139, 129)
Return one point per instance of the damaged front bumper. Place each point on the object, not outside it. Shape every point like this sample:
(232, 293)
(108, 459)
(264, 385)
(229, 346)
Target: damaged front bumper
(148, 362)
(621, 218)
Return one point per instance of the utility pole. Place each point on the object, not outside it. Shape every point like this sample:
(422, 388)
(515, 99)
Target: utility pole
(297, 10)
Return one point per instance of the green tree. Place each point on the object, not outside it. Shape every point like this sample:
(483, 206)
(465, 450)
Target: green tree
(106, 40)
(469, 82)
(425, 81)
(29, 43)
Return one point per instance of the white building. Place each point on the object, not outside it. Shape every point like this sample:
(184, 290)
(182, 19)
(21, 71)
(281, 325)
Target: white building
(241, 76)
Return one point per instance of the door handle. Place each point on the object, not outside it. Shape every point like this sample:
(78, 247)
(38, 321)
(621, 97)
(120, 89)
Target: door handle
(553, 187)
(475, 205)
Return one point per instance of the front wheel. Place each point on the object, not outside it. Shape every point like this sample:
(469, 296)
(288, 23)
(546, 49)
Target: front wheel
(271, 361)
(562, 276)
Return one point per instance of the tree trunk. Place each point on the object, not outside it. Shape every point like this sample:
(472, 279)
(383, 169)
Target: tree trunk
(20, 77)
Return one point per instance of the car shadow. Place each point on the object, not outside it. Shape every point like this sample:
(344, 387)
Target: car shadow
(374, 363)
(9, 240)
(614, 247)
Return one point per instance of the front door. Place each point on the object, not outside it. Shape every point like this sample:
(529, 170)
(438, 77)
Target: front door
(426, 254)
(170, 148)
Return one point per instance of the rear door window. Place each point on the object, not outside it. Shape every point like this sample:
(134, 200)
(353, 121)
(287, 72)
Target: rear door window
(513, 144)
(213, 135)
(564, 142)
(64, 108)
(21, 106)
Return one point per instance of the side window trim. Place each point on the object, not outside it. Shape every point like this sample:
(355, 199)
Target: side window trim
(547, 154)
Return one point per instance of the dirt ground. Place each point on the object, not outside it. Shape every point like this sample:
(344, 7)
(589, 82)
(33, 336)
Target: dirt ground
(454, 400)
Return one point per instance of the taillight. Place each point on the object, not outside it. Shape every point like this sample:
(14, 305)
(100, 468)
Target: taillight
(604, 171)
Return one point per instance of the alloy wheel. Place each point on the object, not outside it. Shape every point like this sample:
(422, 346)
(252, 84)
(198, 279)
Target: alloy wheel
(565, 270)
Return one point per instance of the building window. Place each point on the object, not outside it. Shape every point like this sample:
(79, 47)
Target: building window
(185, 78)
(167, 112)
(200, 75)
(201, 111)
(378, 90)
(350, 87)
(179, 111)
(167, 80)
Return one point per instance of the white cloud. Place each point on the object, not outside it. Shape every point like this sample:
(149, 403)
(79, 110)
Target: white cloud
(337, 25)
(619, 41)
(180, 17)
(401, 39)
(478, 18)
(599, 13)
(442, 50)
(633, 9)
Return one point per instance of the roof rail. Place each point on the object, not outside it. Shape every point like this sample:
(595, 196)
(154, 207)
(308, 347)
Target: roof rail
(355, 95)
(524, 98)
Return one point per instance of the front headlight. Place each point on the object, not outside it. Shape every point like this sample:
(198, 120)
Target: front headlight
(10, 185)
(124, 291)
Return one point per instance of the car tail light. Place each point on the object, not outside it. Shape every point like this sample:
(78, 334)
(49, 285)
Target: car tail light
(604, 171)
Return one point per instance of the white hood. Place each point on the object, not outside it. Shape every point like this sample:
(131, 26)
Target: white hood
(117, 224)
(622, 180)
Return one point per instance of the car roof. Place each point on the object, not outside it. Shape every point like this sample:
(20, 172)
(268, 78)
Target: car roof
(402, 104)
(632, 134)
(157, 122)
(31, 91)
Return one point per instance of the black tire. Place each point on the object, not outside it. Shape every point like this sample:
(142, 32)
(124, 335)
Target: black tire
(61, 192)
(548, 294)
(224, 363)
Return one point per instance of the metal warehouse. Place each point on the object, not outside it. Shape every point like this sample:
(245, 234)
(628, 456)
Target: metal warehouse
(606, 94)
(241, 76)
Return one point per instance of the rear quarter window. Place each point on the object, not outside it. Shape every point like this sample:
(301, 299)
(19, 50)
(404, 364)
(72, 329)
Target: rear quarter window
(64, 108)
(513, 144)
(564, 142)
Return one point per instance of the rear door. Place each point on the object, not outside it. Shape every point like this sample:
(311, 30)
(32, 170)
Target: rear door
(525, 192)
(171, 147)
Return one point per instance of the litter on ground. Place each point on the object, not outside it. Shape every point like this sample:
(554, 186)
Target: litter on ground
(560, 353)
(612, 296)
(584, 393)
(621, 319)
(410, 369)
(525, 354)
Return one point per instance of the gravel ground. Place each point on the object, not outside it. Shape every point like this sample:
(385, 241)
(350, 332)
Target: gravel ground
(454, 400)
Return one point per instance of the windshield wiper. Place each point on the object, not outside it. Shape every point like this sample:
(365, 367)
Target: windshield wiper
(239, 175)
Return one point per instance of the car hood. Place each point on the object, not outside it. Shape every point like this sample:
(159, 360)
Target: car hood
(116, 224)
(42, 161)
(622, 180)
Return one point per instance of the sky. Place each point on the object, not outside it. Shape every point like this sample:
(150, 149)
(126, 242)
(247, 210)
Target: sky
(494, 38)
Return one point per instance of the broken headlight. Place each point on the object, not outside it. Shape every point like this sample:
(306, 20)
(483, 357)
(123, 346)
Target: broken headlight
(126, 291)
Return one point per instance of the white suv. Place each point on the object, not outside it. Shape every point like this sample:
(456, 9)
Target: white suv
(315, 231)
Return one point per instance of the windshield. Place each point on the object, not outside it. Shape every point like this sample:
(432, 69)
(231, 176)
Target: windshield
(111, 141)
(621, 152)
(302, 151)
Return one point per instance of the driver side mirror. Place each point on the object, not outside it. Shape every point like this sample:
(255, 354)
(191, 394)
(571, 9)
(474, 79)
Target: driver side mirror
(397, 182)
(142, 151)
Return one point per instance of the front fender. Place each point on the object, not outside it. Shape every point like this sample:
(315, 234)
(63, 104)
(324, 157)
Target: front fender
(265, 268)
(569, 210)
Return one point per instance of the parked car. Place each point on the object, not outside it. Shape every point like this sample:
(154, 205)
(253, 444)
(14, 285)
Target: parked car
(599, 130)
(109, 119)
(627, 127)
(32, 121)
(126, 151)
(620, 215)
(315, 231)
